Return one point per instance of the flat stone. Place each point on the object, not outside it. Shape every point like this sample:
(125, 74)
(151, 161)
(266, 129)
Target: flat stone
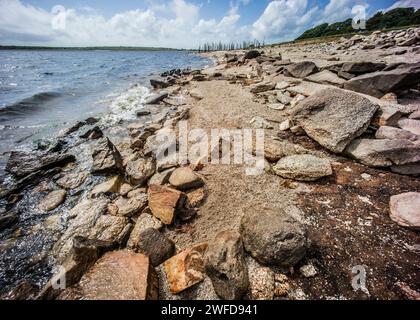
(155, 245)
(307, 88)
(185, 178)
(326, 77)
(358, 68)
(302, 69)
(186, 268)
(405, 210)
(262, 87)
(395, 133)
(334, 117)
(129, 206)
(156, 98)
(106, 158)
(118, 275)
(276, 106)
(72, 180)
(384, 152)
(410, 125)
(303, 167)
(285, 125)
(52, 200)
(275, 149)
(164, 202)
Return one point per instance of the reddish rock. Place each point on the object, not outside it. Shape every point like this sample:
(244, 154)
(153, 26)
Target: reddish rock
(186, 268)
(164, 202)
(118, 275)
(405, 209)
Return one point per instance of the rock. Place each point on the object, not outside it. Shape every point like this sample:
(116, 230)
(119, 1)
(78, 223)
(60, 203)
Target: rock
(273, 237)
(92, 134)
(129, 206)
(274, 149)
(345, 75)
(196, 94)
(186, 268)
(387, 116)
(118, 275)
(334, 117)
(284, 98)
(303, 167)
(252, 54)
(106, 158)
(159, 84)
(390, 97)
(395, 133)
(195, 198)
(407, 169)
(359, 68)
(282, 85)
(415, 115)
(52, 200)
(384, 152)
(261, 281)
(85, 252)
(88, 219)
(140, 170)
(276, 106)
(410, 125)
(307, 88)
(143, 113)
(302, 69)
(285, 125)
(308, 271)
(144, 221)
(260, 123)
(155, 245)
(164, 202)
(156, 98)
(7, 220)
(226, 267)
(22, 163)
(161, 178)
(298, 98)
(138, 142)
(379, 83)
(326, 77)
(297, 130)
(125, 189)
(110, 186)
(262, 87)
(185, 178)
(405, 210)
(72, 180)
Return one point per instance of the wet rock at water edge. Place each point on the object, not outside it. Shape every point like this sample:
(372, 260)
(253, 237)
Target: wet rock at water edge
(186, 268)
(155, 245)
(273, 236)
(144, 222)
(106, 158)
(140, 170)
(225, 265)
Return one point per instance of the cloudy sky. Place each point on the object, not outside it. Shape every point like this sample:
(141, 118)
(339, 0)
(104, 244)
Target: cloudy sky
(169, 23)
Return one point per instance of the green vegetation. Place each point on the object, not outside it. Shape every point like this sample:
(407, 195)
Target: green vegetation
(399, 17)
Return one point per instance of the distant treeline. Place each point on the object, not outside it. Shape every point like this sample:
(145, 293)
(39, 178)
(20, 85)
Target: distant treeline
(84, 48)
(399, 17)
(219, 46)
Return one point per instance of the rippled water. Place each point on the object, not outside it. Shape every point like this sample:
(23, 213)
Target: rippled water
(43, 91)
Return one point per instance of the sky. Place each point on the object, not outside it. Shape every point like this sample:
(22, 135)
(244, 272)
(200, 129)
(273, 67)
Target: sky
(171, 23)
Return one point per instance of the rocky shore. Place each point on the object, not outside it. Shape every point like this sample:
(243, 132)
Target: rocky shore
(339, 198)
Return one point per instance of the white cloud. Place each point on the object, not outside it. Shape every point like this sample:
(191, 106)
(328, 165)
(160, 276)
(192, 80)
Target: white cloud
(405, 4)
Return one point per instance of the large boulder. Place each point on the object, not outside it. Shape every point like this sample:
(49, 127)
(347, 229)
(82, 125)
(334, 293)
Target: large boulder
(334, 117)
(118, 275)
(106, 158)
(384, 152)
(302, 69)
(273, 236)
(225, 265)
(379, 83)
(186, 268)
(22, 163)
(303, 167)
(405, 209)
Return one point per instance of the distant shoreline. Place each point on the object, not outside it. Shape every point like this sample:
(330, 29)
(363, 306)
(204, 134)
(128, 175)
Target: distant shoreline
(6, 47)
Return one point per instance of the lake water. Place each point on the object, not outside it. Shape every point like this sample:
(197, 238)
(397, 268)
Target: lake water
(43, 91)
